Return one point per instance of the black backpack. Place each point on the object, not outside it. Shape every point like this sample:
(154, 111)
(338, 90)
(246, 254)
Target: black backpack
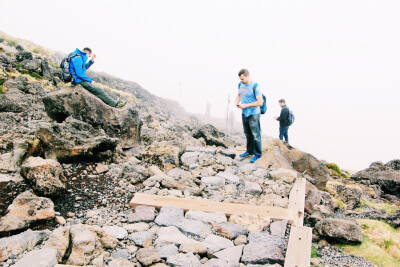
(64, 65)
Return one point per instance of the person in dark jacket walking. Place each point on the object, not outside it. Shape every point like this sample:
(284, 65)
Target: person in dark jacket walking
(78, 67)
(284, 121)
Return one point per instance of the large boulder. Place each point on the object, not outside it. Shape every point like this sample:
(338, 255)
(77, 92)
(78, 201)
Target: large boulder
(78, 103)
(211, 135)
(45, 175)
(387, 176)
(26, 209)
(74, 140)
(45, 257)
(340, 230)
(10, 186)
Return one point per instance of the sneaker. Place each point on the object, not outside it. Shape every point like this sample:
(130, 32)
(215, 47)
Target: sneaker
(245, 154)
(121, 103)
(253, 159)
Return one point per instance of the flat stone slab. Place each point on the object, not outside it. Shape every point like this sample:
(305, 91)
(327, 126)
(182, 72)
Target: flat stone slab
(265, 238)
(116, 231)
(45, 257)
(230, 230)
(167, 250)
(147, 256)
(171, 235)
(219, 263)
(207, 217)
(213, 181)
(216, 243)
(194, 227)
(169, 216)
(261, 253)
(142, 214)
(278, 228)
(250, 188)
(181, 259)
(229, 177)
(189, 158)
(232, 254)
(247, 169)
(136, 227)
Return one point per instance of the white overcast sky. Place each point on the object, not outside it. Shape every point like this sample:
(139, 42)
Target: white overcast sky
(337, 63)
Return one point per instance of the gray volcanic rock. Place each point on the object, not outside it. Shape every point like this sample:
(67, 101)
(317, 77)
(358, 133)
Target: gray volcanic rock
(45, 175)
(45, 257)
(262, 253)
(230, 230)
(211, 135)
(77, 102)
(183, 260)
(340, 230)
(169, 216)
(387, 176)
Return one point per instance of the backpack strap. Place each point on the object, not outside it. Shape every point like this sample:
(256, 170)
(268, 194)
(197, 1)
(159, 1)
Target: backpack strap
(254, 89)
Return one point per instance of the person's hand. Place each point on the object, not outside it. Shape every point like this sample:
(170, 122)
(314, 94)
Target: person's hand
(241, 106)
(93, 57)
(275, 118)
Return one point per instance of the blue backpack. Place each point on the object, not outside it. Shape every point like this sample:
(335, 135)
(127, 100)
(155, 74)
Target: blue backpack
(291, 117)
(263, 107)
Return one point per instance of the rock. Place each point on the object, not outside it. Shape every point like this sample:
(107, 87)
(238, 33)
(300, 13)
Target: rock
(59, 240)
(167, 250)
(101, 168)
(312, 166)
(196, 248)
(17, 244)
(148, 256)
(189, 158)
(254, 223)
(32, 65)
(183, 260)
(45, 257)
(229, 177)
(143, 239)
(25, 55)
(265, 238)
(171, 235)
(247, 169)
(10, 162)
(169, 216)
(228, 152)
(250, 188)
(74, 140)
(26, 209)
(133, 173)
(232, 254)
(352, 196)
(211, 135)
(213, 181)
(274, 200)
(283, 173)
(120, 263)
(387, 176)
(224, 160)
(218, 263)
(207, 217)
(10, 187)
(116, 231)
(142, 214)
(261, 173)
(278, 228)
(216, 243)
(77, 102)
(340, 230)
(136, 227)
(194, 227)
(120, 253)
(261, 253)
(60, 220)
(44, 175)
(240, 240)
(230, 230)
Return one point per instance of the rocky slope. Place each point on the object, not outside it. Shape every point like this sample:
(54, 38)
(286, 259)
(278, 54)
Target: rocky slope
(69, 165)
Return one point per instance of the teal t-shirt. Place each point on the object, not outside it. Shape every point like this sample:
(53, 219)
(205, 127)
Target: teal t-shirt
(247, 95)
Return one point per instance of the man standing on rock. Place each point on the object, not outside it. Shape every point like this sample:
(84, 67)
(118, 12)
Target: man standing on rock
(284, 121)
(78, 67)
(249, 100)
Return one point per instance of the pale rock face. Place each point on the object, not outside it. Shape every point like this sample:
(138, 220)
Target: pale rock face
(59, 240)
(45, 257)
(254, 223)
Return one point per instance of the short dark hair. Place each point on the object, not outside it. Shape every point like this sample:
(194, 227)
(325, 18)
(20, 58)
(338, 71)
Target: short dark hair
(87, 49)
(245, 72)
(282, 100)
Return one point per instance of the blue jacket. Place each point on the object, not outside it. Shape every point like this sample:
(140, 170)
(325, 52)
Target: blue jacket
(78, 67)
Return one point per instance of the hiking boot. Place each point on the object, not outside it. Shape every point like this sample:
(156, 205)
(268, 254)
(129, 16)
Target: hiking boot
(253, 159)
(245, 154)
(121, 103)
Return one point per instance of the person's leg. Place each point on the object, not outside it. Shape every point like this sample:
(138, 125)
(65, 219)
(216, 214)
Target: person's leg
(99, 92)
(247, 133)
(281, 133)
(287, 134)
(255, 127)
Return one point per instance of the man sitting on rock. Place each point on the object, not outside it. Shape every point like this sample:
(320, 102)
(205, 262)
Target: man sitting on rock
(249, 100)
(78, 67)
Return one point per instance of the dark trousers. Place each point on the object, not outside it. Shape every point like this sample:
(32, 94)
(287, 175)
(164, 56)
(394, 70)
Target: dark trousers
(252, 131)
(283, 132)
(99, 92)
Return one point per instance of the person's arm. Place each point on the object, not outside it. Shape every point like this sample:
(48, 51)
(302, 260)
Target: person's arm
(77, 62)
(257, 103)
(89, 63)
(237, 101)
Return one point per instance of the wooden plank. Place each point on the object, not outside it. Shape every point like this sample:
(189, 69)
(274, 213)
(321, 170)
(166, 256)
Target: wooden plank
(186, 204)
(298, 252)
(297, 201)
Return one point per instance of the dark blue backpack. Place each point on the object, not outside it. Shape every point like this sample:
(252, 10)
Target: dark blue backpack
(263, 107)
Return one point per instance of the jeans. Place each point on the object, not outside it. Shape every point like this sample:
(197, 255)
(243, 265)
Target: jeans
(283, 132)
(99, 92)
(252, 131)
